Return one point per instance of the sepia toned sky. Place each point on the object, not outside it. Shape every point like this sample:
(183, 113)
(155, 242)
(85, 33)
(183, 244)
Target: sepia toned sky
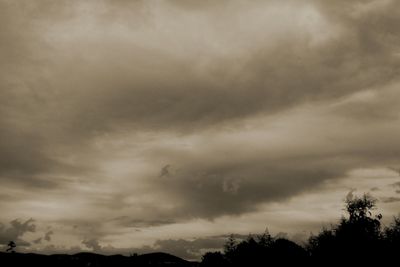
(137, 126)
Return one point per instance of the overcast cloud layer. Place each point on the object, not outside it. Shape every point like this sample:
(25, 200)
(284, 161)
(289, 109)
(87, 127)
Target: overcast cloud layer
(151, 124)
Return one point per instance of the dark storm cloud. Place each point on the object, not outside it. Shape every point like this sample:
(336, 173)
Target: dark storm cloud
(390, 199)
(15, 231)
(48, 235)
(126, 221)
(75, 73)
(165, 171)
(396, 184)
(92, 244)
(154, 88)
(239, 187)
(37, 241)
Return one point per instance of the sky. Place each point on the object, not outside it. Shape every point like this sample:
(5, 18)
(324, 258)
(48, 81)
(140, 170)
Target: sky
(139, 126)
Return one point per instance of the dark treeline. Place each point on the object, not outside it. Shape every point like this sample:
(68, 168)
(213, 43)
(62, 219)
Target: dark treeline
(358, 239)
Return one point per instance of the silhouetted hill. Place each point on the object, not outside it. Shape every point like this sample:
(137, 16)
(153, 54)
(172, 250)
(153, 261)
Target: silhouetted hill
(160, 257)
(85, 259)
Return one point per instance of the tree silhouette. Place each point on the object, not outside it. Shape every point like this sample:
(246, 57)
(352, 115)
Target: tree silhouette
(361, 208)
(357, 238)
(230, 247)
(392, 233)
(392, 238)
(11, 246)
(265, 239)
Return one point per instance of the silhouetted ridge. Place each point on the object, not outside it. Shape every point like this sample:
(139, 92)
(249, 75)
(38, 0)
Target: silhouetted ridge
(161, 258)
(85, 259)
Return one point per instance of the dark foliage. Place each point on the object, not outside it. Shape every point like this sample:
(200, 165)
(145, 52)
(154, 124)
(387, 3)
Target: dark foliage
(358, 240)
(214, 259)
(392, 238)
(256, 251)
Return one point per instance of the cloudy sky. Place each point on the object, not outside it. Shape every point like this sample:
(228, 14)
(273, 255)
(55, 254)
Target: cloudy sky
(166, 125)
